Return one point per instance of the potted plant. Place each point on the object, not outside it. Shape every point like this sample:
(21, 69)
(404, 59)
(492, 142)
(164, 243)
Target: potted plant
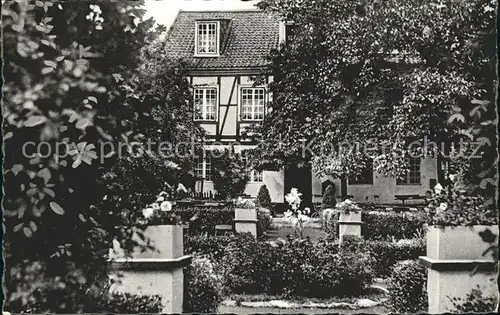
(349, 219)
(245, 216)
(462, 235)
(294, 215)
(157, 232)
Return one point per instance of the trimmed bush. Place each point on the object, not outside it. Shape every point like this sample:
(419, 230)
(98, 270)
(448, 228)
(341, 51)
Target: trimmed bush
(378, 225)
(329, 201)
(264, 198)
(407, 288)
(294, 268)
(384, 225)
(206, 218)
(384, 254)
(213, 247)
(202, 287)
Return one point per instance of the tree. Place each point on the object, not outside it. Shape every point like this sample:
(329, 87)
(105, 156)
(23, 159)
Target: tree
(383, 74)
(228, 173)
(264, 198)
(64, 89)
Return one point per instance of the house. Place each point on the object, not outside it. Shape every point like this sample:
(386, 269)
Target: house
(225, 50)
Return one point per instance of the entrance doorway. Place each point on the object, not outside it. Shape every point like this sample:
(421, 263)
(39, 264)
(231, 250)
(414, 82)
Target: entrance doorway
(300, 178)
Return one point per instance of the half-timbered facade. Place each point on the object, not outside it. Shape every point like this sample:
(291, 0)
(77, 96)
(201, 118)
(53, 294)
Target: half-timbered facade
(226, 50)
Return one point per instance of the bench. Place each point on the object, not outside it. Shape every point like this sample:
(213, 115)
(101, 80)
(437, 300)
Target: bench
(404, 198)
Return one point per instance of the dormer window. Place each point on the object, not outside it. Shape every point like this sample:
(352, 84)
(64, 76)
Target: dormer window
(207, 38)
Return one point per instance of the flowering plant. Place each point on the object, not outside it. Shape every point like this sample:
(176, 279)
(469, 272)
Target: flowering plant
(294, 215)
(244, 203)
(452, 206)
(348, 206)
(159, 212)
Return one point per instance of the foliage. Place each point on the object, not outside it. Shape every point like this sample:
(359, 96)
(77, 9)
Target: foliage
(213, 247)
(347, 206)
(391, 75)
(475, 302)
(65, 89)
(407, 288)
(385, 254)
(296, 268)
(264, 198)
(329, 201)
(454, 206)
(228, 173)
(202, 285)
(391, 225)
(205, 219)
(159, 212)
(246, 203)
(264, 221)
(329, 219)
(128, 304)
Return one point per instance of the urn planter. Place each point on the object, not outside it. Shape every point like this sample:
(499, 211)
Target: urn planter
(456, 264)
(153, 271)
(245, 220)
(349, 224)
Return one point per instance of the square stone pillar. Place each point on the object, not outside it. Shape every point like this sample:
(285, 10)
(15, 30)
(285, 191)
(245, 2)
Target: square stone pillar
(349, 224)
(456, 265)
(155, 271)
(245, 221)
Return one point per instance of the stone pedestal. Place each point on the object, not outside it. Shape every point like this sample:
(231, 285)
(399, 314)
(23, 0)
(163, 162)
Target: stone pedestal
(456, 265)
(155, 271)
(349, 224)
(245, 221)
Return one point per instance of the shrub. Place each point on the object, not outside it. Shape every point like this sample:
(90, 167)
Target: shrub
(329, 218)
(264, 198)
(407, 288)
(383, 225)
(213, 247)
(125, 303)
(329, 201)
(264, 221)
(202, 287)
(385, 254)
(294, 268)
(206, 218)
(475, 302)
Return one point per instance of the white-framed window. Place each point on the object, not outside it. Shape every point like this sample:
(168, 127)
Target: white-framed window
(413, 176)
(205, 103)
(253, 102)
(207, 38)
(203, 167)
(253, 175)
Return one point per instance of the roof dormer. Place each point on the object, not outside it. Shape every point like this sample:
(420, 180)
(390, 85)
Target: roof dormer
(210, 36)
(207, 39)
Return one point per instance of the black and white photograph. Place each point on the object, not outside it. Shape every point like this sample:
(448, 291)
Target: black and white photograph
(249, 156)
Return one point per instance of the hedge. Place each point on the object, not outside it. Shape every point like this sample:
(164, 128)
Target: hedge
(379, 225)
(407, 288)
(294, 268)
(385, 254)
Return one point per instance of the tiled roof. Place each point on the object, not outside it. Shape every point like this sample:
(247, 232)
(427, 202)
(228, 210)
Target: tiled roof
(251, 36)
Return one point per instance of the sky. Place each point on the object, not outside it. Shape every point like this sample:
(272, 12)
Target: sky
(165, 11)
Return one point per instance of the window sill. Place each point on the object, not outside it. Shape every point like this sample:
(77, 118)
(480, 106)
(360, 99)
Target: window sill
(206, 55)
(205, 121)
(415, 184)
(252, 120)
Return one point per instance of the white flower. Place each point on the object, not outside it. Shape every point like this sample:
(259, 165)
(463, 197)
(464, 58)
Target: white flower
(148, 213)
(438, 188)
(303, 218)
(443, 206)
(452, 177)
(160, 199)
(182, 188)
(166, 206)
(163, 194)
(155, 206)
(307, 210)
